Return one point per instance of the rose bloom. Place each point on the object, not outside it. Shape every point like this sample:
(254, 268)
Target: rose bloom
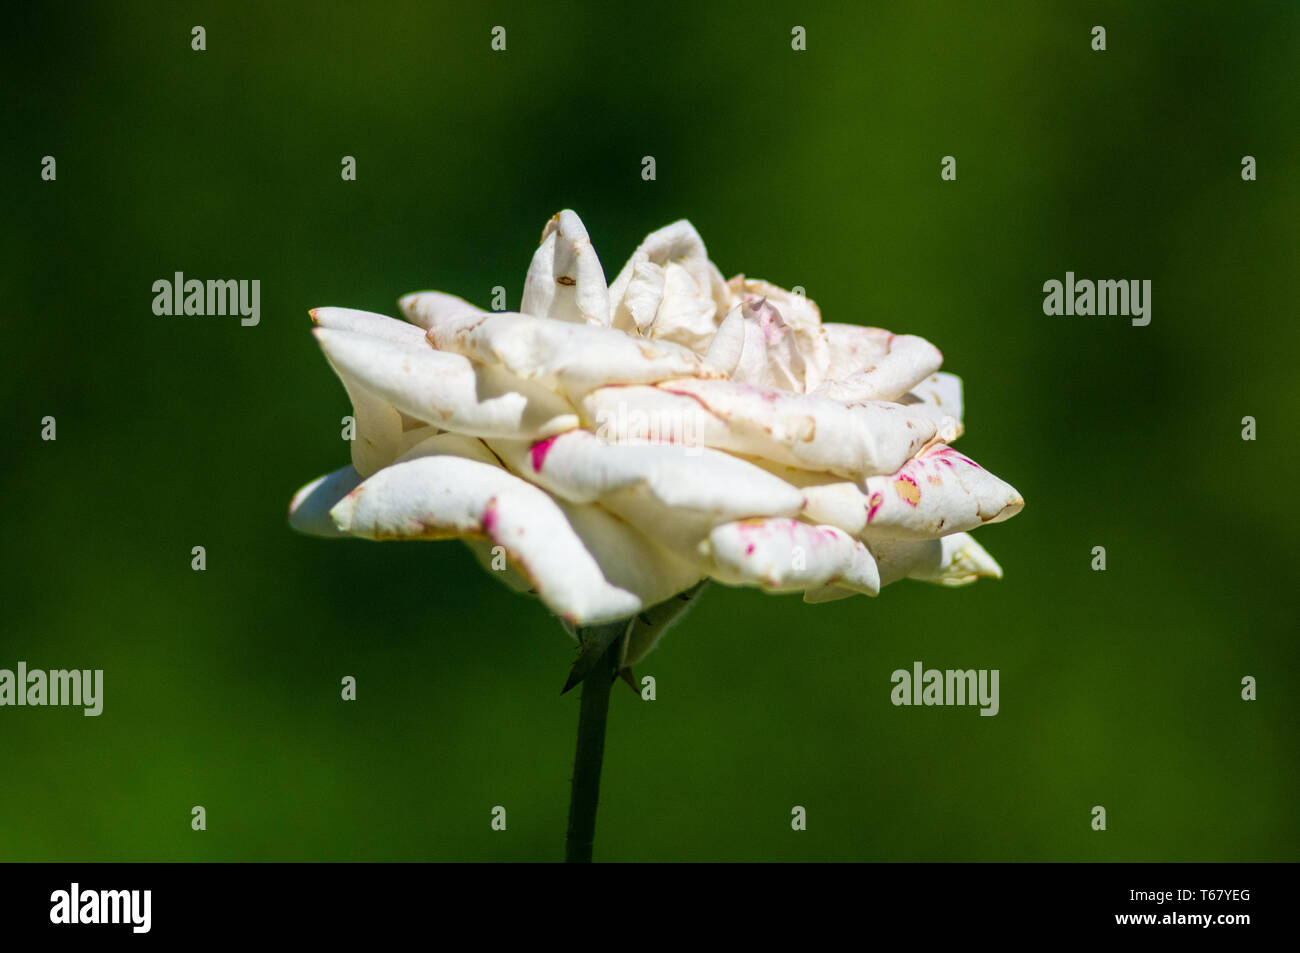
(608, 447)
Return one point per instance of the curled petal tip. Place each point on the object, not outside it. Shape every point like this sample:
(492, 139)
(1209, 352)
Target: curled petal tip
(1011, 509)
(309, 510)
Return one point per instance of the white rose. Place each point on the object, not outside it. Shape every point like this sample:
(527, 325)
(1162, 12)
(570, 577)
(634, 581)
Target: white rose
(618, 444)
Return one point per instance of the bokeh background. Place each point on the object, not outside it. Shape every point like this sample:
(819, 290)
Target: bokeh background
(817, 168)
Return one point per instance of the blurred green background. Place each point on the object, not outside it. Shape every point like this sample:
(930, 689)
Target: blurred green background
(816, 168)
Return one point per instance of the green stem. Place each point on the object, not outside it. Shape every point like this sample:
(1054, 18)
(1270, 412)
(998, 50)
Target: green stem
(592, 716)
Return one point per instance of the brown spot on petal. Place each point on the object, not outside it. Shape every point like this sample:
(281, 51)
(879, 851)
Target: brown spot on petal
(907, 490)
(566, 280)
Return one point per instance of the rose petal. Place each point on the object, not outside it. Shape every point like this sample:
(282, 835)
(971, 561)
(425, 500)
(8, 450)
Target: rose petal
(955, 560)
(627, 558)
(784, 365)
(426, 308)
(755, 345)
(886, 365)
(451, 444)
(414, 436)
(565, 281)
(836, 503)
(669, 289)
(446, 390)
(798, 310)
(786, 554)
(942, 391)
(853, 348)
(688, 312)
(309, 511)
(937, 493)
(801, 430)
(377, 432)
(376, 325)
(442, 497)
(728, 344)
(797, 353)
(641, 297)
(673, 493)
(570, 358)
(378, 427)
(939, 397)
(828, 499)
